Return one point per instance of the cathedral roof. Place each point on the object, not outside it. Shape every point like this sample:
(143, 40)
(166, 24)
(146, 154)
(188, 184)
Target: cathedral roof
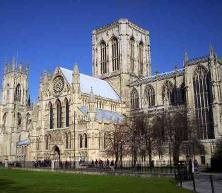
(104, 115)
(100, 87)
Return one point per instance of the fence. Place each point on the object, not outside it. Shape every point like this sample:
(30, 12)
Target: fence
(202, 182)
(97, 166)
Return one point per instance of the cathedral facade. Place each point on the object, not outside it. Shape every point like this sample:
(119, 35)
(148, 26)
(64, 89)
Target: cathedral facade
(74, 110)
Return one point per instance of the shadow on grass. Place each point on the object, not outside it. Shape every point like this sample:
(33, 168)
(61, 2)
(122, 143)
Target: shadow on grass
(9, 186)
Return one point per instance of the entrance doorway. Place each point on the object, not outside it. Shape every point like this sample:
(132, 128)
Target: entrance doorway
(56, 153)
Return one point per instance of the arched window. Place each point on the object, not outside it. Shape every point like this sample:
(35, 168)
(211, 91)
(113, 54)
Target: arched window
(85, 140)
(37, 144)
(19, 119)
(141, 58)
(51, 124)
(67, 112)
(183, 93)
(150, 95)
(132, 45)
(203, 100)
(67, 140)
(18, 93)
(59, 113)
(8, 93)
(70, 141)
(80, 141)
(4, 120)
(134, 99)
(47, 141)
(28, 120)
(115, 54)
(103, 60)
(167, 93)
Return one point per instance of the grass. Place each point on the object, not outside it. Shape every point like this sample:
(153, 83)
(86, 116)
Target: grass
(21, 181)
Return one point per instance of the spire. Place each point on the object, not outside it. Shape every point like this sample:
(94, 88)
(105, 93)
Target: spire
(92, 96)
(76, 69)
(211, 51)
(185, 59)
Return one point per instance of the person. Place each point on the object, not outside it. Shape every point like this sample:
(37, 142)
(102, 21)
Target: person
(190, 168)
(196, 166)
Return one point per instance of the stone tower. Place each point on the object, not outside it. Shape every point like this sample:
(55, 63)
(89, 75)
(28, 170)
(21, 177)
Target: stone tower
(14, 102)
(121, 53)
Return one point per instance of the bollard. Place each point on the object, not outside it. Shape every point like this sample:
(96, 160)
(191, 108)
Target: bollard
(212, 183)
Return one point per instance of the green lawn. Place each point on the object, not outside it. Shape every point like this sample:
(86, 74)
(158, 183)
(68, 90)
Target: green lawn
(19, 181)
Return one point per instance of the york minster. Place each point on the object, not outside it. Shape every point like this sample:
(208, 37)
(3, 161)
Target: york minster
(75, 110)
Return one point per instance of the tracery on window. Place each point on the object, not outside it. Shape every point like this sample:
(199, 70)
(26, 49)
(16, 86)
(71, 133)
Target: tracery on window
(150, 95)
(132, 54)
(134, 99)
(103, 57)
(203, 100)
(18, 93)
(115, 54)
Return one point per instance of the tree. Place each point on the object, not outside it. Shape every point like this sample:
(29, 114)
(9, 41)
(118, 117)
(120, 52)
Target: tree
(116, 141)
(216, 160)
(175, 122)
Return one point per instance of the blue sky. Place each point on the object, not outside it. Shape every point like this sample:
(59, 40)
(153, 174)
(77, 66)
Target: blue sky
(48, 33)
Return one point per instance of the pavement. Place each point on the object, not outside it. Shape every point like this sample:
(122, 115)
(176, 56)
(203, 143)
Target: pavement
(203, 184)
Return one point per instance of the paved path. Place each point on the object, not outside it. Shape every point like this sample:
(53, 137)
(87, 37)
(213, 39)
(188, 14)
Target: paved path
(203, 184)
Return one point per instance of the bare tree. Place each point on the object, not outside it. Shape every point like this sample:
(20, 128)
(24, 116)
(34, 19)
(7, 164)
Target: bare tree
(116, 142)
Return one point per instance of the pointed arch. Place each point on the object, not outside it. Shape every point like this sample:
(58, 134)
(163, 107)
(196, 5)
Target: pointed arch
(150, 95)
(59, 113)
(19, 119)
(4, 120)
(18, 93)
(38, 143)
(67, 140)
(134, 99)
(141, 50)
(47, 141)
(167, 92)
(203, 100)
(115, 53)
(80, 141)
(132, 53)
(85, 140)
(51, 119)
(103, 57)
(67, 112)
(28, 120)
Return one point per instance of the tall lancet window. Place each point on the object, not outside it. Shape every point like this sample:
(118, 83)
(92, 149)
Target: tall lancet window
(134, 99)
(150, 95)
(167, 93)
(115, 54)
(203, 100)
(103, 56)
(51, 124)
(132, 45)
(59, 113)
(18, 93)
(67, 112)
(141, 58)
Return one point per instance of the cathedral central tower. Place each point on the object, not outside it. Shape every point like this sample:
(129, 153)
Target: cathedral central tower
(120, 53)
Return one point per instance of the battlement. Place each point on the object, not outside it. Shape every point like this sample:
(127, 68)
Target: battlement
(14, 66)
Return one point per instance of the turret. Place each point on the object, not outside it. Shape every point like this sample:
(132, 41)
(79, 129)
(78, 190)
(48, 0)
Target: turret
(92, 105)
(76, 79)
